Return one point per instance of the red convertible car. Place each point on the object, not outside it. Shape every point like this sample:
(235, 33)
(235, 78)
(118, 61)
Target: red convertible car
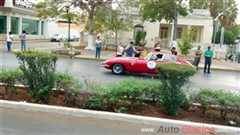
(147, 64)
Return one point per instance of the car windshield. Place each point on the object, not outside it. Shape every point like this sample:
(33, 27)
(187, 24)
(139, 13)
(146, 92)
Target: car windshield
(148, 56)
(55, 34)
(153, 56)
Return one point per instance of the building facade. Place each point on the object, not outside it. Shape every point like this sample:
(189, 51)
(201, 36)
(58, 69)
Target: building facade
(199, 20)
(18, 15)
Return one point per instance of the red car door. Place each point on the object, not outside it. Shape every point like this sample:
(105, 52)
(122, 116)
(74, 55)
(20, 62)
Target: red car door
(146, 66)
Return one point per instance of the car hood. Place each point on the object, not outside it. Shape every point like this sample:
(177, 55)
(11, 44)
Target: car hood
(125, 58)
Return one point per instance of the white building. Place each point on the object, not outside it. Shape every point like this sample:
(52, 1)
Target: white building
(199, 20)
(18, 15)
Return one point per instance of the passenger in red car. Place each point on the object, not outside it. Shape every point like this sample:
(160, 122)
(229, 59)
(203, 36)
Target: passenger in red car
(129, 50)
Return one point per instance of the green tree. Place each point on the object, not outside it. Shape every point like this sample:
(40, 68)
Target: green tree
(229, 11)
(229, 37)
(200, 4)
(186, 42)
(235, 29)
(114, 20)
(140, 38)
(56, 9)
(156, 10)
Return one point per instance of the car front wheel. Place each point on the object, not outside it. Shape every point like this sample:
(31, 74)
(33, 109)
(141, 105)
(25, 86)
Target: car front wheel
(118, 69)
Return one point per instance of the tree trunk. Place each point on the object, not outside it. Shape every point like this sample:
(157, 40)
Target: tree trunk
(116, 37)
(221, 41)
(90, 45)
(175, 14)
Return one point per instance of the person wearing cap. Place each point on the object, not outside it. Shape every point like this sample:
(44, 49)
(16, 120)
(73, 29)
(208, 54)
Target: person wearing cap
(198, 54)
(129, 50)
(208, 59)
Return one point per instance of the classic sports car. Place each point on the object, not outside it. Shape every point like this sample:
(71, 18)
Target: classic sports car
(119, 65)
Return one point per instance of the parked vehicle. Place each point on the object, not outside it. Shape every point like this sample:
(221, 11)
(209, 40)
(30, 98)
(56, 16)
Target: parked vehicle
(58, 37)
(74, 38)
(119, 65)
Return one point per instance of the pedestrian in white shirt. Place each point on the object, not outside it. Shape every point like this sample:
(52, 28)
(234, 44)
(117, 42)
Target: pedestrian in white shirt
(9, 41)
(98, 45)
(120, 50)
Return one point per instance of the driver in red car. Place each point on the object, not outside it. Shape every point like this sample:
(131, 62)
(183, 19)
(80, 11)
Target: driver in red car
(129, 50)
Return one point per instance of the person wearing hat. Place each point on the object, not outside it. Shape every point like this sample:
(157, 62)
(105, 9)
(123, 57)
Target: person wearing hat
(208, 59)
(129, 50)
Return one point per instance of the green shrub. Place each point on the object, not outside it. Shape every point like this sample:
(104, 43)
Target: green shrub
(124, 94)
(10, 77)
(228, 102)
(173, 77)
(38, 69)
(206, 97)
(66, 44)
(77, 93)
(71, 86)
(63, 80)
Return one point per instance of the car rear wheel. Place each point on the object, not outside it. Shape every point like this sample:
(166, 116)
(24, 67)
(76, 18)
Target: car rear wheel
(118, 69)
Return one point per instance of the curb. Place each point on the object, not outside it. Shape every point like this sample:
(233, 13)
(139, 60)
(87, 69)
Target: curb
(222, 69)
(115, 116)
(85, 58)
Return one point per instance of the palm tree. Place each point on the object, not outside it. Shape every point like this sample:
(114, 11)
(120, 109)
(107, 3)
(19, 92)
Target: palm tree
(229, 10)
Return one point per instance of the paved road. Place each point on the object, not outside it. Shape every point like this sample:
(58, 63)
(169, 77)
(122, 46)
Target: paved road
(21, 122)
(93, 70)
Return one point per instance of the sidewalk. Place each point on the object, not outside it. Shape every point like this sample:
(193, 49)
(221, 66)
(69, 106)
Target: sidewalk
(90, 55)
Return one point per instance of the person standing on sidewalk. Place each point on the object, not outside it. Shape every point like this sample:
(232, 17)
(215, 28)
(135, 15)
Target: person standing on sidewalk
(98, 47)
(120, 50)
(23, 40)
(198, 54)
(9, 41)
(208, 59)
(129, 50)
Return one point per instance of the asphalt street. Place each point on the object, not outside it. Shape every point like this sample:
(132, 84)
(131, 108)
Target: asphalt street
(22, 122)
(92, 70)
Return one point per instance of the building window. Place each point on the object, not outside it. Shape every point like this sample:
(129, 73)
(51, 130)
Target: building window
(30, 26)
(136, 29)
(3, 26)
(179, 33)
(42, 28)
(14, 25)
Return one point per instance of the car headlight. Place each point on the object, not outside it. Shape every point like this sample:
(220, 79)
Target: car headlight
(105, 63)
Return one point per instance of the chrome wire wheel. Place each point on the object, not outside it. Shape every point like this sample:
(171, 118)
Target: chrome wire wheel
(117, 69)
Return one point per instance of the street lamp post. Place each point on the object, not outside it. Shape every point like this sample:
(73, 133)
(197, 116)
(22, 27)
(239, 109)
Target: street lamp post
(67, 8)
(215, 30)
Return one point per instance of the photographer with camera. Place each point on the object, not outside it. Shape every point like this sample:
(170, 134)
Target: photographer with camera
(129, 50)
